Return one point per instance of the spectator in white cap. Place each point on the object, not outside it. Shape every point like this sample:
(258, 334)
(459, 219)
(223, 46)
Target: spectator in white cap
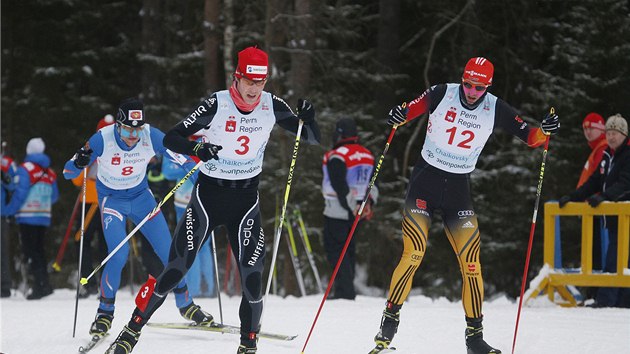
(32, 209)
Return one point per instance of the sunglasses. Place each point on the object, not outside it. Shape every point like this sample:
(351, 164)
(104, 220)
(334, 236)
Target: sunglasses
(478, 88)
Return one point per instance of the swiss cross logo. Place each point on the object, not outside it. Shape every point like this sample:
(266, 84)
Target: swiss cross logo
(472, 267)
(421, 204)
(135, 115)
(116, 159)
(450, 115)
(230, 125)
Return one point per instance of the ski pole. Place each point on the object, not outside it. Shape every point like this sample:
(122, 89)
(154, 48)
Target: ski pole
(354, 226)
(276, 241)
(146, 218)
(307, 245)
(293, 253)
(76, 300)
(88, 219)
(62, 248)
(531, 234)
(216, 274)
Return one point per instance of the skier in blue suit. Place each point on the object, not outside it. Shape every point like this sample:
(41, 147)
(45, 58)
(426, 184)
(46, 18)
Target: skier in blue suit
(123, 151)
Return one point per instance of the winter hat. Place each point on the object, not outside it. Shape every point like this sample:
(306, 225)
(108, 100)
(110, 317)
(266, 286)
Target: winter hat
(35, 146)
(618, 123)
(253, 64)
(105, 121)
(131, 113)
(480, 70)
(594, 120)
(345, 128)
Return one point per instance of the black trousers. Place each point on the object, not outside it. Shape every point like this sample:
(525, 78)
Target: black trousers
(335, 235)
(32, 237)
(214, 202)
(5, 276)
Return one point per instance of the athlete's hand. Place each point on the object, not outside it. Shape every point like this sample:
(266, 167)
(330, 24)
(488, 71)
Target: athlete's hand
(397, 115)
(550, 124)
(305, 111)
(82, 158)
(207, 151)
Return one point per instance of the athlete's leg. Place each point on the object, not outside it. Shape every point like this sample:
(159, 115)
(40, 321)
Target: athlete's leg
(415, 230)
(462, 230)
(206, 265)
(114, 215)
(248, 242)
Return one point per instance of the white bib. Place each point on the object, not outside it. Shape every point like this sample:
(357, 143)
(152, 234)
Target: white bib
(120, 169)
(243, 137)
(456, 135)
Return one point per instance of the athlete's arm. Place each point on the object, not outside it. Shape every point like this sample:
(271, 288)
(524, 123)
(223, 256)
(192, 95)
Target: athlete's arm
(95, 143)
(507, 118)
(427, 102)
(289, 121)
(176, 139)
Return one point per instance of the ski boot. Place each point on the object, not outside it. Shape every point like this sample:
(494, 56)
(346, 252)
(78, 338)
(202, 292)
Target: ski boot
(125, 342)
(102, 323)
(196, 314)
(389, 326)
(248, 343)
(474, 338)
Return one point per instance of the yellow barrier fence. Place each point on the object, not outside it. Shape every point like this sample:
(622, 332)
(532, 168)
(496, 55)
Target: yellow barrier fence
(556, 280)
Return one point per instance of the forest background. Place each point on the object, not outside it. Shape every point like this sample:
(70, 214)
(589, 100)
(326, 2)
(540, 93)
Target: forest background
(65, 64)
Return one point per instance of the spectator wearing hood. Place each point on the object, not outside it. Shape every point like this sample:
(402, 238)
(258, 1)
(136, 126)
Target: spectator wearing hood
(31, 203)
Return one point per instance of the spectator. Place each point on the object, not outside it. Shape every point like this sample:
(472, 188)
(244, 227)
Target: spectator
(9, 170)
(611, 182)
(93, 224)
(347, 169)
(32, 201)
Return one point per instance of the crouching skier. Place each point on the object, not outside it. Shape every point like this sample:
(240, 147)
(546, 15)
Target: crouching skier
(235, 125)
(123, 151)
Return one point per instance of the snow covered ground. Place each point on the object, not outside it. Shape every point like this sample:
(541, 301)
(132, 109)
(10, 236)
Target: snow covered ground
(427, 326)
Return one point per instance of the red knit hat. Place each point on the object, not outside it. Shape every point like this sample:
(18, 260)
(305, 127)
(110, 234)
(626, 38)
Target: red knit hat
(595, 121)
(479, 70)
(253, 64)
(105, 121)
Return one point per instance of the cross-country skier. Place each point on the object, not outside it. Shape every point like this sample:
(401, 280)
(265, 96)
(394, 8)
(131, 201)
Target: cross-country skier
(123, 152)
(462, 116)
(235, 125)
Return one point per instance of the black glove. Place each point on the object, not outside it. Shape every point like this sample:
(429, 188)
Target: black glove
(305, 111)
(564, 200)
(397, 115)
(550, 124)
(207, 151)
(595, 200)
(82, 158)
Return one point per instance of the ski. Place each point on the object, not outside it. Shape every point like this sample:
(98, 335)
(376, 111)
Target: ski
(379, 349)
(96, 340)
(225, 328)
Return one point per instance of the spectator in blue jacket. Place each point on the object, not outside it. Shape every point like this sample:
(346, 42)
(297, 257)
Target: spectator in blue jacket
(9, 170)
(35, 193)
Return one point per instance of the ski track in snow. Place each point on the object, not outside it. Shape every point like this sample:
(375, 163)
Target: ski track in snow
(427, 326)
